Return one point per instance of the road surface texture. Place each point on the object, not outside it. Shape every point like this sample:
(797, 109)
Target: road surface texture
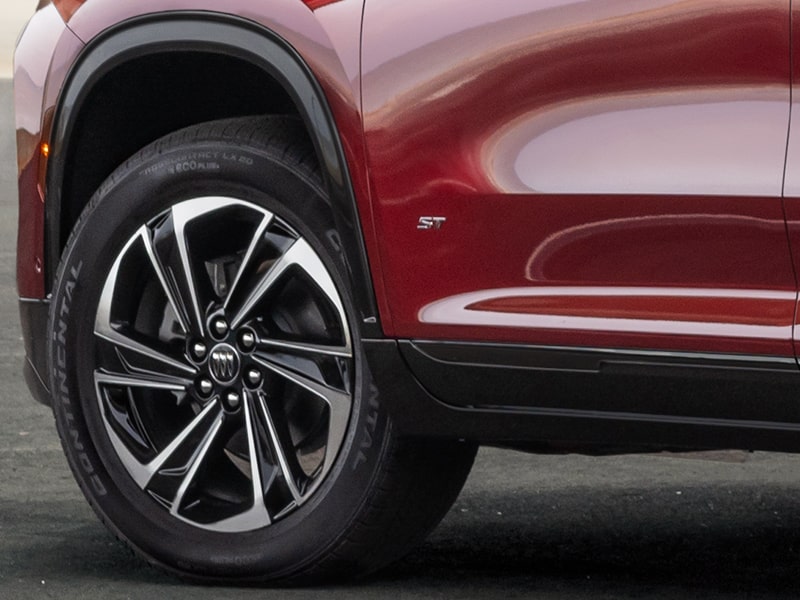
(710, 526)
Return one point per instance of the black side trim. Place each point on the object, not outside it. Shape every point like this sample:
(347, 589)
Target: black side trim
(597, 360)
(35, 384)
(234, 37)
(718, 412)
(33, 315)
(677, 386)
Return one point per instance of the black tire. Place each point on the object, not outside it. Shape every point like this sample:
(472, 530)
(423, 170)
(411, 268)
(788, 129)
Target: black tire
(163, 409)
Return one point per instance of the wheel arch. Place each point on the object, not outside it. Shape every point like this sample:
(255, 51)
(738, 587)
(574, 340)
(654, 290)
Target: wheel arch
(279, 81)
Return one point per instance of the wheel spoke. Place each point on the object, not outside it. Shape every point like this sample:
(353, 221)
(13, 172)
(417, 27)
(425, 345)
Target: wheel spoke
(194, 464)
(178, 307)
(257, 515)
(301, 255)
(248, 256)
(303, 348)
(156, 382)
(281, 442)
(315, 369)
(277, 269)
(142, 473)
(104, 329)
(309, 261)
(173, 250)
(105, 332)
(339, 404)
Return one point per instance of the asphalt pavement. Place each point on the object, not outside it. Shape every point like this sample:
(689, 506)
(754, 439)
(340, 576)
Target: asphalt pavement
(722, 525)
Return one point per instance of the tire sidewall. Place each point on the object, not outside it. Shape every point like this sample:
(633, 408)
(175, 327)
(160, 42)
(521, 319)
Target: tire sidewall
(134, 195)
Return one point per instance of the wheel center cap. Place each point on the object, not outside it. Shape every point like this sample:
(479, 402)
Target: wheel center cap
(224, 363)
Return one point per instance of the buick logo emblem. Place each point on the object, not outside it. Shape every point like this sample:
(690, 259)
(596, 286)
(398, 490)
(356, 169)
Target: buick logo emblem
(223, 363)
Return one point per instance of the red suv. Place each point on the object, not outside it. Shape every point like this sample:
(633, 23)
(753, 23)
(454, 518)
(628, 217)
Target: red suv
(283, 265)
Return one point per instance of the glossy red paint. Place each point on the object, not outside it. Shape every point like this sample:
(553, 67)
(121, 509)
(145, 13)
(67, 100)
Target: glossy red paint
(589, 145)
(326, 34)
(620, 310)
(67, 8)
(315, 4)
(36, 85)
(709, 307)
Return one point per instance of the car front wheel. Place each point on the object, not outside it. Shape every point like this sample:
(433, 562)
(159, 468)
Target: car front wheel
(209, 383)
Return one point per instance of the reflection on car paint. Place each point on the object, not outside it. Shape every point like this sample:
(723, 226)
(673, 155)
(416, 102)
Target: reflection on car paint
(673, 311)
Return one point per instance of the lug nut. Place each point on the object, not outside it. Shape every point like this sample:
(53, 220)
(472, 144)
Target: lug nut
(247, 341)
(253, 377)
(220, 327)
(199, 350)
(205, 387)
(232, 398)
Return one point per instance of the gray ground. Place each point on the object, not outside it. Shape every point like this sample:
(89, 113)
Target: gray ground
(707, 526)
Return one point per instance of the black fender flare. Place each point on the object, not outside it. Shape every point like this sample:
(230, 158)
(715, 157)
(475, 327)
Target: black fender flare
(237, 38)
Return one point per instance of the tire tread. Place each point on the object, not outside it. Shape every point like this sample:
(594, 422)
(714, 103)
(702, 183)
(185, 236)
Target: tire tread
(419, 478)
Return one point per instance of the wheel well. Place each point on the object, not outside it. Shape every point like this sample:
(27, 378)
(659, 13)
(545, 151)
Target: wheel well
(152, 75)
(145, 98)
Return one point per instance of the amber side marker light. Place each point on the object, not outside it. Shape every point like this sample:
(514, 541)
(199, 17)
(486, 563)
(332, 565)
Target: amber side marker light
(45, 150)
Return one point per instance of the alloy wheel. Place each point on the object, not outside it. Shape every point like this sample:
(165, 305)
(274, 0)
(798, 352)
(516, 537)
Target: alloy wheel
(223, 364)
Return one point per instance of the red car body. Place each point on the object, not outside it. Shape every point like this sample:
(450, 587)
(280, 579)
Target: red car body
(675, 131)
(566, 224)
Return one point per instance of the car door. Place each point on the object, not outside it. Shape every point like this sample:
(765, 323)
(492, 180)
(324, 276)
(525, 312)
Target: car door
(602, 173)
